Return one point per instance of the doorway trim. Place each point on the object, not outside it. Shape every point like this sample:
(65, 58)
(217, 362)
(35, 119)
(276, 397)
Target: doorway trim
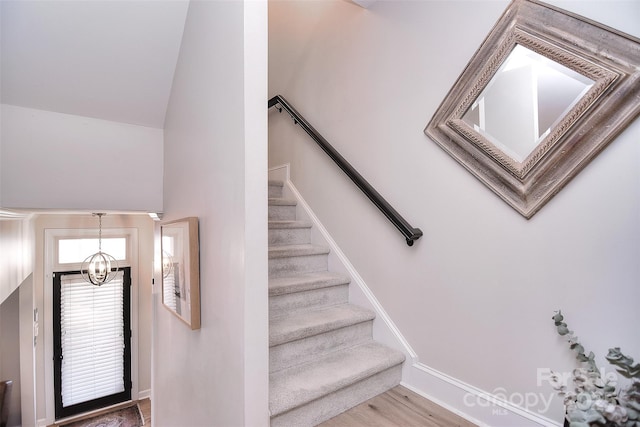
(102, 401)
(51, 236)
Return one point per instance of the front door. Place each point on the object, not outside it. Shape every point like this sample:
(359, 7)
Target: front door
(92, 342)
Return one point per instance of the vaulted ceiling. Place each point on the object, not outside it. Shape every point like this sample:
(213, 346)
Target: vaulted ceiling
(112, 60)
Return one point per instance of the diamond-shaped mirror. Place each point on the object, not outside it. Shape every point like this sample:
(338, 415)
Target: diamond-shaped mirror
(542, 96)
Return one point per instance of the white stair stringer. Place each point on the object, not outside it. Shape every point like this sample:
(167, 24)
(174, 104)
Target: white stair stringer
(322, 357)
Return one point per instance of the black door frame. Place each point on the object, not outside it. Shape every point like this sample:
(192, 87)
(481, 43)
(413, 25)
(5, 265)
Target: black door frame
(60, 411)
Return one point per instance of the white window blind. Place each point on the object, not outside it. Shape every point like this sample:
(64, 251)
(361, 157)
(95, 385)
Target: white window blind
(169, 288)
(92, 325)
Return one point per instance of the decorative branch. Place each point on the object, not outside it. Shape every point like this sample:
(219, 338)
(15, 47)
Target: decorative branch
(594, 401)
(624, 364)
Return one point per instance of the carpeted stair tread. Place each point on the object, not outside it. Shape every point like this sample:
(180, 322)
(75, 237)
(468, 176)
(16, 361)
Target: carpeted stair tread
(302, 384)
(296, 250)
(322, 358)
(283, 224)
(303, 324)
(305, 282)
(279, 201)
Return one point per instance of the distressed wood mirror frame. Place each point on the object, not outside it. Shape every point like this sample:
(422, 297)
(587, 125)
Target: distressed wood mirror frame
(609, 58)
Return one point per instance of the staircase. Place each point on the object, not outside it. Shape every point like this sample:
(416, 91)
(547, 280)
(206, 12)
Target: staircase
(322, 358)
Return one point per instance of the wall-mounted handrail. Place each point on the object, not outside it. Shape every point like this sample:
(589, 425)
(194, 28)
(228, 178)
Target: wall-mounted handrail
(410, 233)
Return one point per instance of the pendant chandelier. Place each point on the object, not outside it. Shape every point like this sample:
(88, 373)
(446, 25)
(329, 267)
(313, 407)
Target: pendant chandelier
(99, 268)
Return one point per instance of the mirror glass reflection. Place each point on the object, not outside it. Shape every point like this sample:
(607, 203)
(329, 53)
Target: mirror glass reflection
(175, 253)
(525, 99)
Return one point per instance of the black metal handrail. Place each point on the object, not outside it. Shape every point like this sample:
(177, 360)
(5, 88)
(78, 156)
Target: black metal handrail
(410, 233)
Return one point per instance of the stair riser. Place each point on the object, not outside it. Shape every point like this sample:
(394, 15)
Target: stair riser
(316, 298)
(333, 404)
(307, 349)
(275, 191)
(290, 266)
(282, 213)
(289, 236)
(303, 284)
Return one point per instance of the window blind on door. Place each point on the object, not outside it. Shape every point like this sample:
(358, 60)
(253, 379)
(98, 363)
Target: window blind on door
(92, 339)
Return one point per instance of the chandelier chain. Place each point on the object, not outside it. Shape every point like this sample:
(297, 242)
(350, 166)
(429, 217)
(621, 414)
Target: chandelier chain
(99, 232)
(99, 268)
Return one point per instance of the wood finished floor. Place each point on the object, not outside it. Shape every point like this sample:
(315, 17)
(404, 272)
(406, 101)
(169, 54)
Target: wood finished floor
(144, 405)
(145, 409)
(399, 407)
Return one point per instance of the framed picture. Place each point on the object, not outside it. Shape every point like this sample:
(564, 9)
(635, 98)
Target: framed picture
(180, 250)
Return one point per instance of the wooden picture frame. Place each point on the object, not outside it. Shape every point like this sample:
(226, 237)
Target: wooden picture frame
(180, 249)
(608, 58)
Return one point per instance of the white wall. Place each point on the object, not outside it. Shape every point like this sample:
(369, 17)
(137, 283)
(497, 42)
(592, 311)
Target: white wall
(10, 352)
(16, 253)
(215, 168)
(1, 101)
(474, 297)
(16, 265)
(56, 161)
(112, 60)
(27, 353)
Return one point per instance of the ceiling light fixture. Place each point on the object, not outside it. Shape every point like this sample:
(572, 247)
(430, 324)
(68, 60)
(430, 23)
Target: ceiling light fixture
(99, 268)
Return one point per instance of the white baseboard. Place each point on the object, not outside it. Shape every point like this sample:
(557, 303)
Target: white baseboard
(478, 406)
(471, 403)
(280, 173)
(144, 394)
